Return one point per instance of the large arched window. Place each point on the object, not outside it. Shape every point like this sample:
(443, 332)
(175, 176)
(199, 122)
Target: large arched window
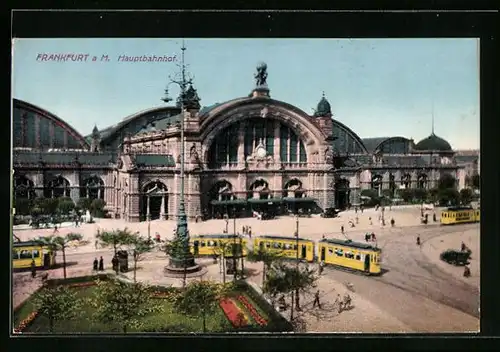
(255, 132)
(57, 187)
(259, 190)
(24, 188)
(93, 188)
(154, 201)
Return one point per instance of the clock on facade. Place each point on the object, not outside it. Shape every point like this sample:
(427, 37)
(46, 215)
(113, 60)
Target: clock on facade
(261, 152)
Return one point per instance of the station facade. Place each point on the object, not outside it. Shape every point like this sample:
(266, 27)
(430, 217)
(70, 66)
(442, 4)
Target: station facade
(249, 153)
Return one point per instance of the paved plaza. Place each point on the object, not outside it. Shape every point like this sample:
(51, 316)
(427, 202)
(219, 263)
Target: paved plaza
(418, 293)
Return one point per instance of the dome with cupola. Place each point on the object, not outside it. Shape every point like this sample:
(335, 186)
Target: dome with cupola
(323, 108)
(433, 143)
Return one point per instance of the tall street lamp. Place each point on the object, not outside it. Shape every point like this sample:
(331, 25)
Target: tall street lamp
(183, 258)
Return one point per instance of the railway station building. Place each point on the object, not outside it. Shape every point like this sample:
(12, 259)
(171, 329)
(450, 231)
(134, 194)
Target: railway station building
(248, 153)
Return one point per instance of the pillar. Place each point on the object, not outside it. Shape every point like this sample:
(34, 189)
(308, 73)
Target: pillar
(162, 209)
(276, 151)
(148, 214)
(241, 144)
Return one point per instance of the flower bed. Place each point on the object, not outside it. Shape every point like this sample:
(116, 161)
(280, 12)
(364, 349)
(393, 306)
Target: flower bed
(26, 322)
(233, 313)
(253, 312)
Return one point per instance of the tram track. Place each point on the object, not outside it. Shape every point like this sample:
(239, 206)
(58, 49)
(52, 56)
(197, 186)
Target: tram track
(415, 274)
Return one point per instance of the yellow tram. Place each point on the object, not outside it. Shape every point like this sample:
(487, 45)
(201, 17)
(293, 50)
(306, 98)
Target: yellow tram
(351, 255)
(203, 245)
(459, 215)
(286, 246)
(23, 253)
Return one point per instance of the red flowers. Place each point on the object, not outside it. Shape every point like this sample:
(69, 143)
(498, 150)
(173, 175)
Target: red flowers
(20, 328)
(233, 313)
(253, 312)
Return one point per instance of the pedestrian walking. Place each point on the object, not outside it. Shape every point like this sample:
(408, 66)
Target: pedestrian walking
(95, 266)
(357, 220)
(392, 222)
(114, 263)
(101, 264)
(373, 237)
(55, 229)
(33, 269)
(316, 300)
(434, 217)
(342, 229)
(418, 240)
(96, 244)
(370, 219)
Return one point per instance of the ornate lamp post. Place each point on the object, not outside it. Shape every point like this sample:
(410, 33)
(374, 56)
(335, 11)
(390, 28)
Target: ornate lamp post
(184, 258)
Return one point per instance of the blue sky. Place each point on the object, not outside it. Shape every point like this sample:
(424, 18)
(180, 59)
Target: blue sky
(379, 87)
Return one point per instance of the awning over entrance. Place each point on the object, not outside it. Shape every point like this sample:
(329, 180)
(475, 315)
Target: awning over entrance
(229, 202)
(299, 200)
(265, 201)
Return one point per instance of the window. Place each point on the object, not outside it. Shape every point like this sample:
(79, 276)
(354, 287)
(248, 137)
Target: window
(339, 252)
(358, 257)
(276, 245)
(203, 243)
(295, 247)
(25, 254)
(268, 245)
(15, 254)
(287, 246)
(36, 253)
(330, 250)
(303, 154)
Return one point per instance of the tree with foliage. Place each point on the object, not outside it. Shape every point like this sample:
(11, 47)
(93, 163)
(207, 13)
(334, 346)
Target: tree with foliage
(420, 194)
(466, 196)
(124, 304)
(60, 243)
(199, 299)
(447, 181)
(137, 247)
(448, 196)
(175, 249)
(65, 205)
(97, 208)
(84, 203)
(266, 257)
(23, 206)
(432, 195)
(476, 181)
(406, 194)
(57, 303)
(220, 251)
(295, 279)
(48, 206)
(115, 238)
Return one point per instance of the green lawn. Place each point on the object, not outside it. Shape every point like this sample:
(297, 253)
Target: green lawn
(168, 320)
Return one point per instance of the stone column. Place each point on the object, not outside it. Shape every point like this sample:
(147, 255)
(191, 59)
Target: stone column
(99, 190)
(241, 144)
(148, 214)
(75, 187)
(162, 209)
(133, 198)
(276, 151)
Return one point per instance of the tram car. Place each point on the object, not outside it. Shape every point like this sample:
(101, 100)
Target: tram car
(360, 257)
(459, 215)
(286, 247)
(23, 253)
(210, 245)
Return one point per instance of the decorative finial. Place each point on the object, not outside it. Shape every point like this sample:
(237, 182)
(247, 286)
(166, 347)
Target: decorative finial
(323, 94)
(261, 75)
(432, 118)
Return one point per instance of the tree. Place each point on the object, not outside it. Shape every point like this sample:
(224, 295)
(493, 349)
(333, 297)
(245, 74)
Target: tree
(137, 247)
(199, 299)
(115, 238)
(175, 249)
(65, 205)
(447, 181)
(48, 206)
(406, 194)
(221, 251)
(466, 196)
(432, 195)
(293, 279)
(57, 303)
(97, 208)
(448, 196)
(60, 243)
(123, 303)
(476, 181)
(84, 203)
(22, 205)
(266, 257)
(419, 194)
